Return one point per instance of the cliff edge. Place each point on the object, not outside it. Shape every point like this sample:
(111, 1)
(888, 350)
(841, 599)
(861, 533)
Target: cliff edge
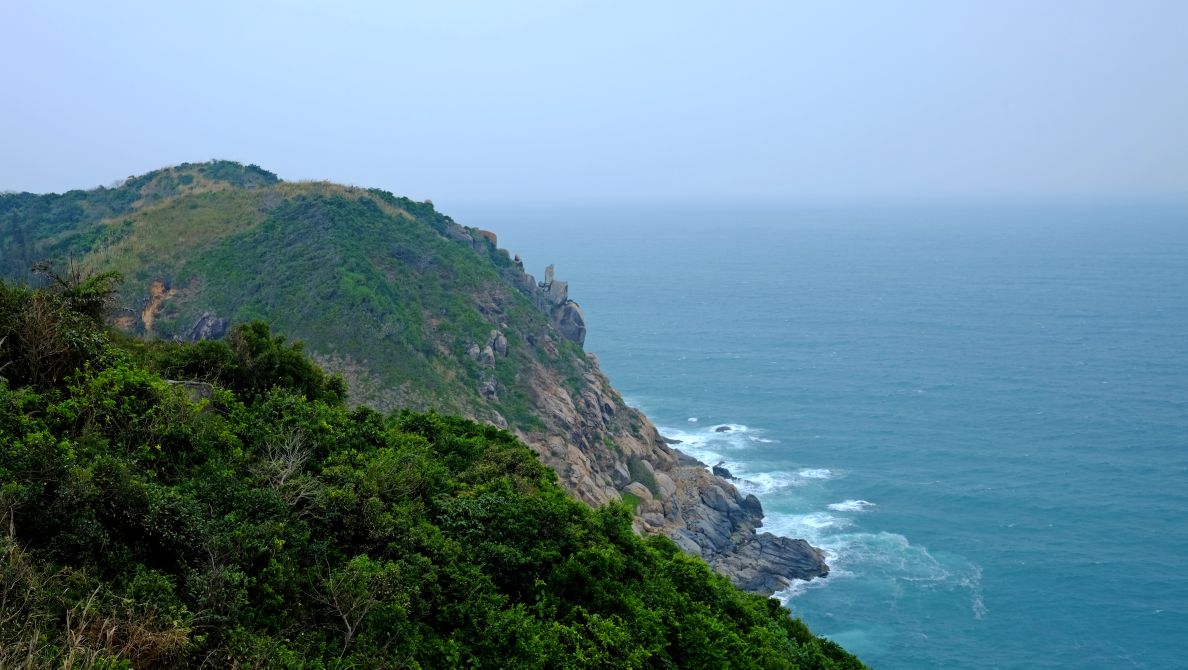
(603, 450)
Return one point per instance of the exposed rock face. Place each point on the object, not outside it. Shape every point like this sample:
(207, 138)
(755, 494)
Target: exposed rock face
(498, 343)
(159, 292)
(568, 320)
(207, 327)
(486, 234)
(593, 439)
(760, 562)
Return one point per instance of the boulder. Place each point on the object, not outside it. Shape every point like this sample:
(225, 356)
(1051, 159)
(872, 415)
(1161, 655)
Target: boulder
(489, 389)
(765, 563)
(716, 499)
(638, 490)
(207, 327)
(751, 506)
(712, 537)
(665, 484)
(653, 519)
(568, 320)
(498, 343)
(558, 292)
(684, 539)
(621, 470)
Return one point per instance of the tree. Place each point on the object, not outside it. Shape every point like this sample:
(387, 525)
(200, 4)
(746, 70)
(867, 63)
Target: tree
(352, 592)
(84, 291)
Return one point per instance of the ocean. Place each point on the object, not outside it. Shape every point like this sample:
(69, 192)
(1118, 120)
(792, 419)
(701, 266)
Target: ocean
(979, 411)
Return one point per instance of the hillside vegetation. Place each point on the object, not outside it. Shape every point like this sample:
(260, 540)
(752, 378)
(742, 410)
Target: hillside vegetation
(260, 522)
(411, 309)
(372, 282)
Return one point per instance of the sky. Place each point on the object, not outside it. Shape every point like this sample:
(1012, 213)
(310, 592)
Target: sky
(607, 100)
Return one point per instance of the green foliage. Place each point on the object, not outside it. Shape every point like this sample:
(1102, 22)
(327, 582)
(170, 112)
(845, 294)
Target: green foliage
(271, 526)
(640, 473)
(87, 293)
(611, 445)
(631, 500)
(43, 336)
(57, 226)
(250, 361)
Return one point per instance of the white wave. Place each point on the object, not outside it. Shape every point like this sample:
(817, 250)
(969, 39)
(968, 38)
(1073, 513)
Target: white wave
(692, 419)
(973, 582)
(694, 444)
(851, 506)
(816, 473)
(761, 483)
(881, 557)
(687, 438)
(811, 526)
(707, 444)
(799, 587)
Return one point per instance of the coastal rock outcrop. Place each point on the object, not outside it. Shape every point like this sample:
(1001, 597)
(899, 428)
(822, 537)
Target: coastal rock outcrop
(762, 562)
(611, 449)
(568, 320)
(601, 449)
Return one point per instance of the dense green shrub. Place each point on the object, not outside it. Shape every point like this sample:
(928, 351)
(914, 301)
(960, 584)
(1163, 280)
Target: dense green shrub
(250, 361)
(268, 525)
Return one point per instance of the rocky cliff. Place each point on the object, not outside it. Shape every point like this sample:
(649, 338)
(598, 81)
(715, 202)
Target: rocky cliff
(602, 449)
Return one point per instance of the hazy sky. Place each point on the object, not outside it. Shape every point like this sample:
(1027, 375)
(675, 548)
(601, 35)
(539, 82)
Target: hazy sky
(608, 100)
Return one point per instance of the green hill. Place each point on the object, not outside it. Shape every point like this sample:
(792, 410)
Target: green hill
(369, 281)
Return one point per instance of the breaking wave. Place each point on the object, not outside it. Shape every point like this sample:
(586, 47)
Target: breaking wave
(851, 506)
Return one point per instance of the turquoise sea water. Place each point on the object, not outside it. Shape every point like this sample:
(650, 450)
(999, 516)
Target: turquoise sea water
(981, 413)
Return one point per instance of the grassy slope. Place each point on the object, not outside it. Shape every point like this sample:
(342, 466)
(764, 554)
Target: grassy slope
(368, 280)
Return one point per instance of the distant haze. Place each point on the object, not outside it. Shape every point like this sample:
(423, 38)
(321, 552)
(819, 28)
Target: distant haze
(559, 100)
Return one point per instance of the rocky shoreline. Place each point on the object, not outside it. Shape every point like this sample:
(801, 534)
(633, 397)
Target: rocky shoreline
(602, 449)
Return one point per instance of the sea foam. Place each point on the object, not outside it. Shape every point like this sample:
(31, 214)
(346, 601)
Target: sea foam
(761, 483)
(851, 506)
(816, 473)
